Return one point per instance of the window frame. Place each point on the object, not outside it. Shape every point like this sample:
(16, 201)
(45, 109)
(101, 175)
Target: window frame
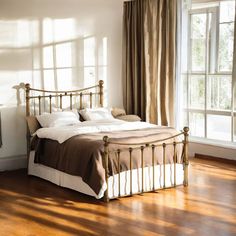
(207, 73)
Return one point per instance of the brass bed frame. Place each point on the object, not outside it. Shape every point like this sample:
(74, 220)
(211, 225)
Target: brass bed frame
(37, 102)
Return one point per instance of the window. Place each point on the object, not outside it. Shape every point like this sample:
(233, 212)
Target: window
(206, 101)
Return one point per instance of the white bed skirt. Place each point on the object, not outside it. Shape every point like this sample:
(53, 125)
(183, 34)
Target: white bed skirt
(76, 183)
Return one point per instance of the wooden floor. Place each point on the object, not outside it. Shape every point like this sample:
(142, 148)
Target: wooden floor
(31, 206)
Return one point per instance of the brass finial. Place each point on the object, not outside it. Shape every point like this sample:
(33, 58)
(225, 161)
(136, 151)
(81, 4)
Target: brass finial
(186, 129)
(105, 139)
(101, 82)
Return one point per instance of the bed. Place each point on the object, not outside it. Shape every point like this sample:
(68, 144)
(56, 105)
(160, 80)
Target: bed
(104, 158)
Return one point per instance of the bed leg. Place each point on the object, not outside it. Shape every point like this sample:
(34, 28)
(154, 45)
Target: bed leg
(185, 160)
(105, 164)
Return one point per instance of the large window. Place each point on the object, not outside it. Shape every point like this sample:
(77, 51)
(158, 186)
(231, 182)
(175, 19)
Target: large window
(207, 86)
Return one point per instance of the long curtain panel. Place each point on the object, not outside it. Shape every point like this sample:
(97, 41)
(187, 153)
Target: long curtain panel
(149, 48)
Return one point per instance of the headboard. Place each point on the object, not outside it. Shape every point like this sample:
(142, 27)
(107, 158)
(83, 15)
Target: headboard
(38, 100)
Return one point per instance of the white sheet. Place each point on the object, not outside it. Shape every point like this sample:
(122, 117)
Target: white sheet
(61, 134)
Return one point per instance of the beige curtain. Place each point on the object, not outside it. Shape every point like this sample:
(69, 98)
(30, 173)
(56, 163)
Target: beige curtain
(149, 45)
(134, 91)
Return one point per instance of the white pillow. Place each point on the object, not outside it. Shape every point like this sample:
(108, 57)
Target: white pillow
(57, 119)
(96, 113)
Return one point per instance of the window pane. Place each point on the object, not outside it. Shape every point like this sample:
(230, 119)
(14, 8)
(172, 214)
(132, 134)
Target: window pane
(226, 46)
(227, 11)
(219, 127)
(36, 57)
(48, 57)
(196, 124)
(47, 30)
(102, 74)
(197, 91)
(49, 83)
(198, 54)
(64, 79)
(64, 55)
(37, 83)
(183, 92)
(64, 82)
(219, 93)
(102, 52)
(213, 43)
(89, 51)
(183, 119)
(198, 36)
(89, 76)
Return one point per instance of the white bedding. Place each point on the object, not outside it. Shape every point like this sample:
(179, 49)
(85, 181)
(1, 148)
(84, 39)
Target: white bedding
(61, 134)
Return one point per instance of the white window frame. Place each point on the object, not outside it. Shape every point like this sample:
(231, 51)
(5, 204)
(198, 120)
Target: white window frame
(231, 113)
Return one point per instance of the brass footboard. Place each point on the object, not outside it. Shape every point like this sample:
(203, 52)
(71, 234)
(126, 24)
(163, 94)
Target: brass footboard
(141, 146)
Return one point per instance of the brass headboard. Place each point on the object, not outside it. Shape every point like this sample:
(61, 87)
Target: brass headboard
(47, 95)
(38, 100)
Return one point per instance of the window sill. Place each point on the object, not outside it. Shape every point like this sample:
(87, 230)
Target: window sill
(211, 142)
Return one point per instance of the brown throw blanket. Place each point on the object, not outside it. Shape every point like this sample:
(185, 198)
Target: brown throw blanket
(81, 155)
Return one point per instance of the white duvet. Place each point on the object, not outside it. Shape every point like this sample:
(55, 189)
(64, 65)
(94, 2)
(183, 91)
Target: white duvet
(61, 134)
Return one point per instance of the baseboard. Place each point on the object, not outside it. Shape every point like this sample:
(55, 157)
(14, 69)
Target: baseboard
(13, 163)
(212, 150)
(218, 159)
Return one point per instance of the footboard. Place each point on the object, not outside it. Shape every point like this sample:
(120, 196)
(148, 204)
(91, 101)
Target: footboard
(130, 147)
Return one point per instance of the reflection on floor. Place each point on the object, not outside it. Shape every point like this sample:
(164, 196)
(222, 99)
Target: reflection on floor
(31, 206)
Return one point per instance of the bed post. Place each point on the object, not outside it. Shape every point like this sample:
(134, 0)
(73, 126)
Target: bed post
(185, 160)
(27, 92)
(101, 92)
(105, 164)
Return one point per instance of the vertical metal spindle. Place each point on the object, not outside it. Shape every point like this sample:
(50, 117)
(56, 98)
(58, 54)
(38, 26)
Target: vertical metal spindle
(34, 108)
(39, 97)
(71, 101)
(186, 161)
(50, 103)
(118, 152)
(153, 166)
(105, 161)
(91, 100)
(80, 101)
(130, 167)
(61, 101)
(27, 93)
(174, 144)
(101, 92)
(164, 164)
(142, 148)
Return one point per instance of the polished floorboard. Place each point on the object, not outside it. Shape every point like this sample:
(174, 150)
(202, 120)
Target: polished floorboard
(30, 206)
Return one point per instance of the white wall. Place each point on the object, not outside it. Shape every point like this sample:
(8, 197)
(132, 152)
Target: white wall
(27, 26)
(214, 150)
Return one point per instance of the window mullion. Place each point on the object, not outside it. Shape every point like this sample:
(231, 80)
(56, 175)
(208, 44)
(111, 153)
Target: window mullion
(189, 64)
(217, 39)
(206, 69)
